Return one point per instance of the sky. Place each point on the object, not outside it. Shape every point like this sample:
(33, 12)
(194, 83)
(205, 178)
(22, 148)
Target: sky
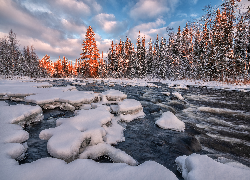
(58, 27)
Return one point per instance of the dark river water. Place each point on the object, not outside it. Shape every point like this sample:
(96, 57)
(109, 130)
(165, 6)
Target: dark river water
(217, 124)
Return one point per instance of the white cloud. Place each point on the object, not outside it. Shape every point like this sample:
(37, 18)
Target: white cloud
(194, 1)
(108, 23)
(145, 29)
(193, 15)
(74, 6)
(151, 8)
(73, 27)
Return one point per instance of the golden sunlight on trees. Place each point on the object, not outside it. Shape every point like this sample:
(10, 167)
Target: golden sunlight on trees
(90, 54)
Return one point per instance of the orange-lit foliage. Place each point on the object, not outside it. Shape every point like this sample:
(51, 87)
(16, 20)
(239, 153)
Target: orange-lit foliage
(90, 54)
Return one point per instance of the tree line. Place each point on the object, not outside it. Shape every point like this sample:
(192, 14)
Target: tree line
(14, 62)
(215, 47)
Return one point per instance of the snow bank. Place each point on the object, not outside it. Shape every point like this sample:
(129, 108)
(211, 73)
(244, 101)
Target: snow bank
(102, 149)
(169, 121)
(196, 167)
(21, 114)
(11, 135)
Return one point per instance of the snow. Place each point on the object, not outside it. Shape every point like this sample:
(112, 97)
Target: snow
(169, 121)
(114, 95)
(131, 117)
(178, 95)
(114, 133)
(129, 106)
(47, 168)
(20, 114)
(66, 139)
(101, 149)
(196, 167)
(166, 93)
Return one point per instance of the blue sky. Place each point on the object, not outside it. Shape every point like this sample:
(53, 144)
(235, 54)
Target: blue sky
(58, 27)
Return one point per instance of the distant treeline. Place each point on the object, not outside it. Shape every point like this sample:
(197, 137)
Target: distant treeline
(216, 47)
(14, 62)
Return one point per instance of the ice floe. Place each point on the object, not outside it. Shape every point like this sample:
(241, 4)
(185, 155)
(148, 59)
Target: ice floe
(169, 121)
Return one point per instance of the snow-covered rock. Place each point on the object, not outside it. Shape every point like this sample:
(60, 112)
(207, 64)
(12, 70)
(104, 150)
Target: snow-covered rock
(169, 121)
(196, 167)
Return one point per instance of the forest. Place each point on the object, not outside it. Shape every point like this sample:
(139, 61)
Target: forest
(215, 47)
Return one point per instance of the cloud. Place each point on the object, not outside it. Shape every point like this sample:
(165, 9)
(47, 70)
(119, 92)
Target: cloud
(73, 26)
(145, 9)
(109, 24)
(194, 1)
(145, 29)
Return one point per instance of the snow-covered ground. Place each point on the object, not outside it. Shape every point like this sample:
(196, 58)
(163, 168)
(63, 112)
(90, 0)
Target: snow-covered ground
(91, 132)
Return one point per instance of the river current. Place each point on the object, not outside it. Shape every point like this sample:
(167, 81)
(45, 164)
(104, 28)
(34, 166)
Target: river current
(217, 123)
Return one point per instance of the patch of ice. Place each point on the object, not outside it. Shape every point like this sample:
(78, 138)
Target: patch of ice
(131, 117)
(169, 121)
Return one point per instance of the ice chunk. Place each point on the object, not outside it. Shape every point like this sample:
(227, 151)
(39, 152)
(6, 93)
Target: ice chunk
(21, 114)
(68, 137)
(131, 117)
(129, 106)
(114, 95)
(169, 121)
(166, 93)
(178, 95)
(195, 167)
(67, 107)
(114, 133)
(101, 149)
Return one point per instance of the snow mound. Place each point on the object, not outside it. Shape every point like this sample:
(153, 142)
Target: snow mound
(131, 117)
(169, 121)
(11, 135)
(129, 106)
(101, 149)
(114, 133)
(113, 95)
(21, 114)
(178, 95)
(196, 167)
(71, 134)
(130, 109)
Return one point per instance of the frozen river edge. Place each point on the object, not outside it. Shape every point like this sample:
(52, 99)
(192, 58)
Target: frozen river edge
(59, 169)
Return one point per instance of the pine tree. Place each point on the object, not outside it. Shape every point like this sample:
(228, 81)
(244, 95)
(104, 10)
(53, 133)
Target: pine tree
(90, 53)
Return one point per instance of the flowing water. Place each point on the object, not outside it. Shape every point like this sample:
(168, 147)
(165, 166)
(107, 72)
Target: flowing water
(217, 124)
